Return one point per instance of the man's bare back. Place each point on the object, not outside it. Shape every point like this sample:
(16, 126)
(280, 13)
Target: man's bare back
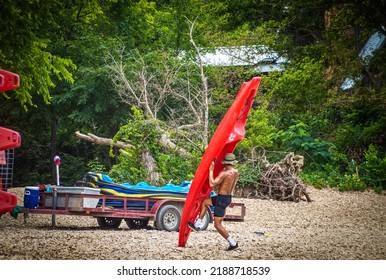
(226, 180)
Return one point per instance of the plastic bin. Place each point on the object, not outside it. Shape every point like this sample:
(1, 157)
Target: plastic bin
(74, 203)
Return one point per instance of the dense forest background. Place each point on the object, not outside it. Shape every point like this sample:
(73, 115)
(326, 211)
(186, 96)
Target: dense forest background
(130, 70)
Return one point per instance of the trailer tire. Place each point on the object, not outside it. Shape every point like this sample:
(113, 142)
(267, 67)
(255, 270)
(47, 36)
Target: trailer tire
(109, 223)
(137, 223)
(168, 218)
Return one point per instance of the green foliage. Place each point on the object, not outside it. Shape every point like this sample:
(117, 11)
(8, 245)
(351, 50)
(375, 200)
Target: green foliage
(95, 166)
(259, 130)
(249, 175)
(298, 90)
(351, 182)
(138, 133)
(142, 24)
(129, 169)
(298, 139)
(373, 168)
(71, 169)
(175, 169)
(38, 78)
(327, 175)
(348, 175)
(25, 48)
(358, 130)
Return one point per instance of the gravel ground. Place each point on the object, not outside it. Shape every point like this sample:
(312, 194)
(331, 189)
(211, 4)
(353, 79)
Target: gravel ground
(334, 226)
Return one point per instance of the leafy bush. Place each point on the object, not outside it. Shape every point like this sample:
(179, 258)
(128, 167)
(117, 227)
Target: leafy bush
(327, 176)
(175, 169)
(249, 175)
(129, 170)
(95, 166)
(348, 175)
(373, 168)
(351, 182)
(259, 130)
(298, 139)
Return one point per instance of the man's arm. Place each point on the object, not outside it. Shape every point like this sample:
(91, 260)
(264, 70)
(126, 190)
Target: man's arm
(214, 181)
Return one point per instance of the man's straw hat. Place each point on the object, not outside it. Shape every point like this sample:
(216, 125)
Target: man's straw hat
(229, 159)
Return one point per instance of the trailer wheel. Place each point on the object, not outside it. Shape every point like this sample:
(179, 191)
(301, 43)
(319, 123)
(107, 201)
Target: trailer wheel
(136, 223)
(105, 222)
(168, 218)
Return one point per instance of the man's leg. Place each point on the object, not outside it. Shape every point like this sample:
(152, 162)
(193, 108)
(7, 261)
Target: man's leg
(219, 227)
(207, 202)
(198, 223)
(224, 233)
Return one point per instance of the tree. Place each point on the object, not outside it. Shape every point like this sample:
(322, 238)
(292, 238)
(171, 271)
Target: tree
(166, 90)
(25, 38)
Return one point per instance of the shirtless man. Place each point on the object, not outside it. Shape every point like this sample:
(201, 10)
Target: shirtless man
(226, 181)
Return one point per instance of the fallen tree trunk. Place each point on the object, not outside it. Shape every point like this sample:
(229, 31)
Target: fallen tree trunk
(102, 141)
(163, 140)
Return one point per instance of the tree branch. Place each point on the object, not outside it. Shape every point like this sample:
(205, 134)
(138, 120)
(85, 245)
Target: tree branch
(102, 141)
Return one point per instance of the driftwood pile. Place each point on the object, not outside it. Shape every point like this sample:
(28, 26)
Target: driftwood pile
(280, 181)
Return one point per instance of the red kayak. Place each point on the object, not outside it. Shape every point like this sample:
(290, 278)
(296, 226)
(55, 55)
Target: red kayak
(8, 201)
(8, 80)
(9, 139)
(230, 131)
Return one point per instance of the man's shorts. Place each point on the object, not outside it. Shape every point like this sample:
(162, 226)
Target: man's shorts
(220, 203)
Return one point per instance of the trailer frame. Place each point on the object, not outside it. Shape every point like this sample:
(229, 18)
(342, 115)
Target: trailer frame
(139, 217)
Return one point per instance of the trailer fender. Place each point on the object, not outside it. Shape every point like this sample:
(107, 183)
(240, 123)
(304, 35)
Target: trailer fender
(156, 206)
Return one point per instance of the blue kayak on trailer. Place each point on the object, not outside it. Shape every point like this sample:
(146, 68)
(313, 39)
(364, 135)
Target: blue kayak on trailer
(140, 190)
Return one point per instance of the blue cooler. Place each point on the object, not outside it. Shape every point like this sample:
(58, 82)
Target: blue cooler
(31, 197)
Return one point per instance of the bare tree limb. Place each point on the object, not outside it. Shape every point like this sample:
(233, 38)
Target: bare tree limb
(204, 81)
